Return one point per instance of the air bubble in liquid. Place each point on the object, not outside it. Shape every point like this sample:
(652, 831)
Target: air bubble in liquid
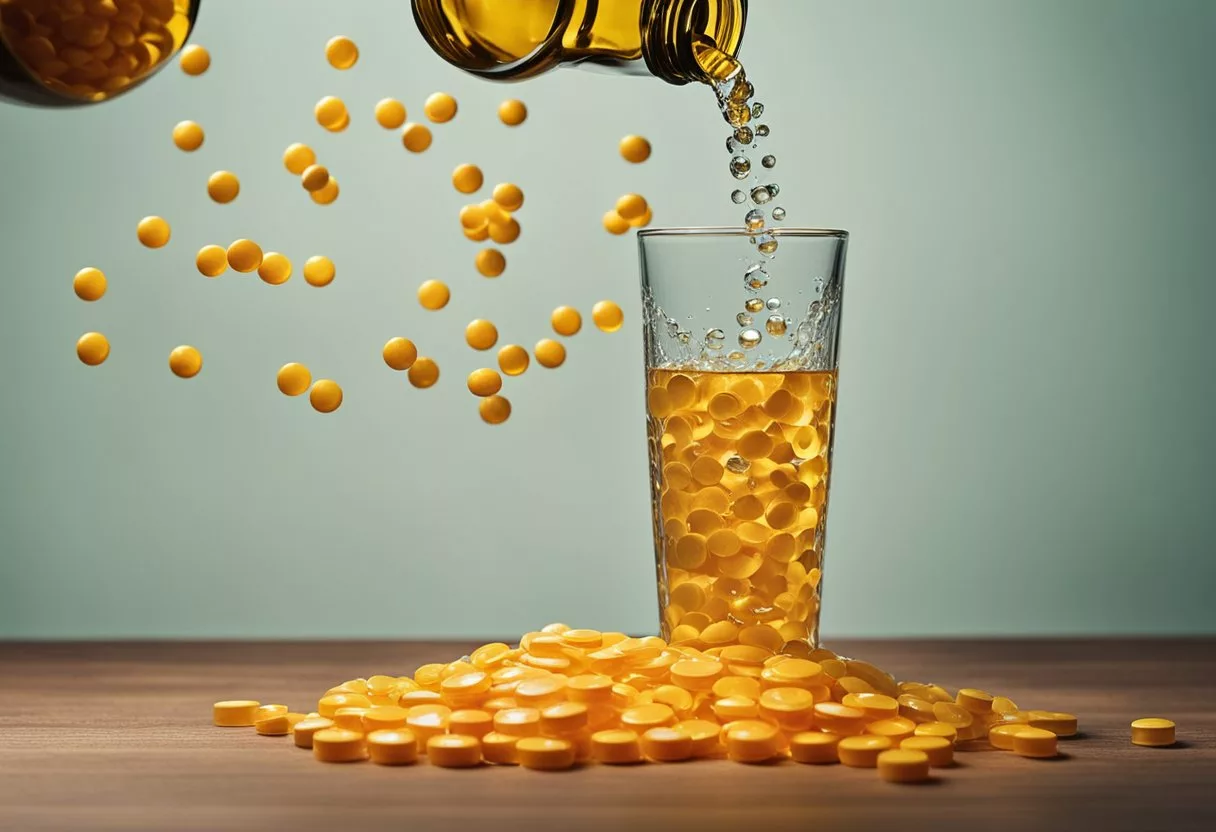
(767, 244)
(749, 338)
(744, 319)
(740, 167)
(754, 305)
(778, 212)
(769, 161)
(773, 303)
(737, 197)
(683, 336)
(714, 339)
(743, 135)
(735, 355)
(737, 464)
(762, 130)
(757, 110)
(755, 277)
(775, 325)
(760, 195)
(773, 189)
(754, 219)
(732, 146)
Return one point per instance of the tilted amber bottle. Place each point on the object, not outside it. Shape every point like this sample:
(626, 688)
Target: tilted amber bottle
(63, 53)
(676, 40)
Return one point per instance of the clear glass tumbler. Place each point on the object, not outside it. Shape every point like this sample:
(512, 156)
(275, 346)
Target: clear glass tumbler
(741, 361)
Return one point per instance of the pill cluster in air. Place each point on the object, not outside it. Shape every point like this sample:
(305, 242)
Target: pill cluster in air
(565, 696)
(493, 219)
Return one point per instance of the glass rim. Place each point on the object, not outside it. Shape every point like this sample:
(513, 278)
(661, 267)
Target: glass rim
(735, 231)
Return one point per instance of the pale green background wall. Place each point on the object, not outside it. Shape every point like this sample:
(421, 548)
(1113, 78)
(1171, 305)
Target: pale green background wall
(1025, 438)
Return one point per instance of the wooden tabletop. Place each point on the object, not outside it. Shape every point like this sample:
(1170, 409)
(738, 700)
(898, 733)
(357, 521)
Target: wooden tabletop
(119, 736)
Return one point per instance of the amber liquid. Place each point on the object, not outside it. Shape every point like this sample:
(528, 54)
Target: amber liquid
(739, 474)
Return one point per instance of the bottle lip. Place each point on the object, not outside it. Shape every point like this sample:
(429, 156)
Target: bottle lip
(733, 231)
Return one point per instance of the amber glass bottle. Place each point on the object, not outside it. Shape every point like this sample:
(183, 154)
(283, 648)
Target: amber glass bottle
(62, 53)
(676, 40)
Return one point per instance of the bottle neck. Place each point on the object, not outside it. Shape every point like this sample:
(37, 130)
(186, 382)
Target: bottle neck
(692, 40)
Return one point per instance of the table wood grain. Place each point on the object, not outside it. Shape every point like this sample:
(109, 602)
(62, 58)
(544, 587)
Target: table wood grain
(118, 736)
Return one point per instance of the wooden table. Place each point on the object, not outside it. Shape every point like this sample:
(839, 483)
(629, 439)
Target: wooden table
(118, 736)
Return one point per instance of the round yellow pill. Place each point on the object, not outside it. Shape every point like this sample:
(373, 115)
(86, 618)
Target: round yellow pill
(341, 125)
(297, 157)
(630, 207)
(440, 107)
(195, 60)
(513, 359)
(936, 729)
(302, 732)
(454, 751)
(415, 137)
(472, 722)
(223, 186)
(607, 316)
(875, 705)
(566, 320)
(211, 261)
(330, 111)
(1058, 723)
(634, 149)
(518, 722)
(974, 700)
(862, 751)
(545, 753)
(467, 178)
(839, 719)
(393, 747)
(512, 112)
(327, 194)
(1034, 742)
(188, 136)
(1001, 735)
(939, 750)
(314, 178)
(504, 231)
(341, 52)
(185, 362)
(752, 741)
(235, 713)
(390, 113)
(273, 726)
(895, 728)
(499, 749)
(275, 268)
(508, 197)
(484, 382)
(899, 765)
(293, 379)
(616, 747)
(814, 747)
(384, 717)
(480, 334)
(338, 745)
(494, 410)
(549, 353)
(1153, 732)
(92, 348)
(642, 221)
(473, 216)
(89, 283)
(563, 718)
(614, 223)
(400, 354)
(434, 294)
(666, 745)
(153, 232)
(325, 396)
(319, 271)
(490, 262)
(424, 373)
(952, 714)
(244, 255)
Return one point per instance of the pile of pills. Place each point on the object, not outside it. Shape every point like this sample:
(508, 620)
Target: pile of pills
(492, 219)
(567, 696)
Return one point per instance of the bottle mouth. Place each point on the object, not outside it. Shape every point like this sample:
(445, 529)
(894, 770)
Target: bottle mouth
(467, 51)
(693, 40)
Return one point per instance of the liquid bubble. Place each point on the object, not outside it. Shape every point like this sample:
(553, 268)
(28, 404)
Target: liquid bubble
(714, 339)
(743, 135)
(762, 130)
(775, 325)
(757, 110)
(773, 303)
(754, 305)
(754, 219)
(744, 319)
(749, 338)
(737, 197)
(769, 161)
(740, 167)
(778, 212)
(760, 195)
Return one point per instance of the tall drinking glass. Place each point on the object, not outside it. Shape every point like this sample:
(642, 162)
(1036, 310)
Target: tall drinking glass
(741, 360)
